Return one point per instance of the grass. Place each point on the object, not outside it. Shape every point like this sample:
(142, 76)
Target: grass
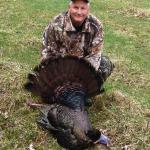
(122, 112)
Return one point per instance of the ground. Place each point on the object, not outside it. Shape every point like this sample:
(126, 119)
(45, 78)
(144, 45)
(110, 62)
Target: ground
(122, 112)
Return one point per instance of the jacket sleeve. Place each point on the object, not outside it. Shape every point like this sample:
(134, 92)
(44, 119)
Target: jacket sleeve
(96, 47)
(49, 45)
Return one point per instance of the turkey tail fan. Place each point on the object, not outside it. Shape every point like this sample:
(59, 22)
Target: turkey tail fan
(54, 73)
(38, 87)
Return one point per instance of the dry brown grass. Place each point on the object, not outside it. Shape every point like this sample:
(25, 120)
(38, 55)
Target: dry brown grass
(117, 115)
(123, 120)
(122, 112)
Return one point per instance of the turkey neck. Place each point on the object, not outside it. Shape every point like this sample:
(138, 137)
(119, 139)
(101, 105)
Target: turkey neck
(73, 97)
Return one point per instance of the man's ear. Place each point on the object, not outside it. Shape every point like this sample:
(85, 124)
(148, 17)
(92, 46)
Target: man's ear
(89, 8)
(69, 5)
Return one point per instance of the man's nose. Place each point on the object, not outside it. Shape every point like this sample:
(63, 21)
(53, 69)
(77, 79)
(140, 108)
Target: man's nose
(79, 11)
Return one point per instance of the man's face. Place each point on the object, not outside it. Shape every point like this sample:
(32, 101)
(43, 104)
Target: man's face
(78, 12)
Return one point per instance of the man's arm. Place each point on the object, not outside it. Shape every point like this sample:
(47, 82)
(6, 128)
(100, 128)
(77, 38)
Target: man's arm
(96, 47)
(49, 45)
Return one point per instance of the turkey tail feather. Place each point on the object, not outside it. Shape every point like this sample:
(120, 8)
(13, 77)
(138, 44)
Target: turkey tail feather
(48, 76)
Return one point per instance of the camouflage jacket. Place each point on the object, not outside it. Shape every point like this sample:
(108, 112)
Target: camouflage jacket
(62, 38)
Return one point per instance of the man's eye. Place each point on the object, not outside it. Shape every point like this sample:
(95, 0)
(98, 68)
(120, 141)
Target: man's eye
(82, 8)
(75, 7)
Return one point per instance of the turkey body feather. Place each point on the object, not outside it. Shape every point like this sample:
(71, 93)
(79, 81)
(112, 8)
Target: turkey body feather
(70, 127)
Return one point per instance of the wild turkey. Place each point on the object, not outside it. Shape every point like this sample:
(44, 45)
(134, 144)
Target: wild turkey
(68, 80)
(66, 83)
(71, 127)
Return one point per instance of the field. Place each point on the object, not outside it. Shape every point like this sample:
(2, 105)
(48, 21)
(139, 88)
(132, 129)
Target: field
(122, 112)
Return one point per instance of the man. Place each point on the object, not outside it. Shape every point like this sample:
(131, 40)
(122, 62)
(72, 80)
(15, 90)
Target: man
(78, 33)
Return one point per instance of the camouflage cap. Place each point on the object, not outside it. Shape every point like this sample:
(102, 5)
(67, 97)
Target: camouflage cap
(82, 0)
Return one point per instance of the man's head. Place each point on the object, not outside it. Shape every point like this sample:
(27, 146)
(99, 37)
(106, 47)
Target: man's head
(78, 10)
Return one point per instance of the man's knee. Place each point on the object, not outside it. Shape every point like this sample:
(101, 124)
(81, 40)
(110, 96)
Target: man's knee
(106, 67)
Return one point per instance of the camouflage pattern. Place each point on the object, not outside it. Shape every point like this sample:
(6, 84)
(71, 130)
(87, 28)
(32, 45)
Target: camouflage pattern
(106, 67)
(62, 38)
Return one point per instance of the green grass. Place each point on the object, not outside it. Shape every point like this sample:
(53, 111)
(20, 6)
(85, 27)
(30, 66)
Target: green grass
(123, 111)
